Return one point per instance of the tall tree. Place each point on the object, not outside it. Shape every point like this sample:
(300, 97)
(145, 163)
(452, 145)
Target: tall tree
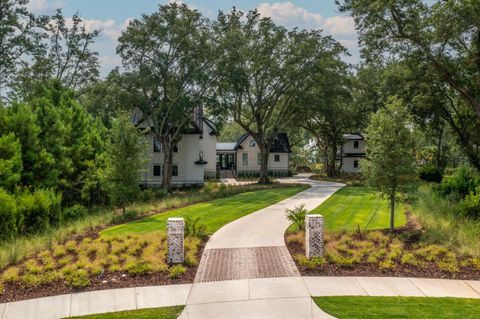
(125, 159)
(65, 54)
(442, 37)
(169, 57)
(390, 160)
(17, 37)
(328, 109)
(264, 70)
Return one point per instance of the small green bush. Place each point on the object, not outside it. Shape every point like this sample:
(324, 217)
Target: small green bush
(297, 216)
(139, 268)
(430, 174)
(8, 215)
(75, 212)
(176, 271)
(40, 209)
(76, 278)
(150, 194)
(470, 205)
(194, 228)
(463, 182)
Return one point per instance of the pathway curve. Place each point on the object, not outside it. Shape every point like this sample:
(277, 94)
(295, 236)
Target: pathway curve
(249, 257)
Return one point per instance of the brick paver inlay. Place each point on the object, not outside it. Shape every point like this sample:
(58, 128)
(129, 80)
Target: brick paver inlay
(245, 263)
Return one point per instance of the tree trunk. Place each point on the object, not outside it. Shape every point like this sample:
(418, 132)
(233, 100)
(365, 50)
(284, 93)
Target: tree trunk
(438, 155)
(264, 153)
(333, 157)
(167, 165)
(392, 210)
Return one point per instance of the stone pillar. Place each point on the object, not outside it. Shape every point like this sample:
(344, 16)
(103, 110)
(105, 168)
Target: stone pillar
(175, 233)
(314, 236)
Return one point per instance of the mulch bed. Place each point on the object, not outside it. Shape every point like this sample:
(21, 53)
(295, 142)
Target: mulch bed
(106, 280)
(411, 235)
(373, 270)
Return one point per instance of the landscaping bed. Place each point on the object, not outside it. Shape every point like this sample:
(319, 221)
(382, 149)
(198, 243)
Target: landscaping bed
(381, 253)
(131, 254)
(91, 262)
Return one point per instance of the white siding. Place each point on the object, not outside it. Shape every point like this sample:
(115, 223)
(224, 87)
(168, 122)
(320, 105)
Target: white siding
(252, 152)
(348, 165)
(348, 147)
(188, 171)
(208, 145)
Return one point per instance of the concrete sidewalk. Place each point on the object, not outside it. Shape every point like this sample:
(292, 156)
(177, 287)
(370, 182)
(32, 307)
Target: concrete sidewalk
(248, 298)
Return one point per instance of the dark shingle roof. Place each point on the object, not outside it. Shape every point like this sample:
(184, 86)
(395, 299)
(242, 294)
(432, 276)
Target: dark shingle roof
(281, 143)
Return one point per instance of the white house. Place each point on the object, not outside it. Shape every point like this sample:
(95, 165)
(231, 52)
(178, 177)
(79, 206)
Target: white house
(194, 158)
(243, 156)
(353, 149)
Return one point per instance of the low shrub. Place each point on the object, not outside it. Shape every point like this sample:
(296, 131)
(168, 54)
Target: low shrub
(139, 268)
(297, 216)
(430, 174)
(40, 209)
(176, 271)
(311, 263)
(463, 182)
(149, 194)
(194, 227)
(11, 274)
(75, 212)
(76, 278)
(9, 219)
(470, 205)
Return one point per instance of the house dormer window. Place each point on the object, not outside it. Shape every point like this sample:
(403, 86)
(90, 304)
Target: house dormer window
(252, 143)
(355, 144)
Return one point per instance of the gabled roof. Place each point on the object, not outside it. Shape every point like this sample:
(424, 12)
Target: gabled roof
(281, 144)
(211, 125)
(353, 137)
(226, 146)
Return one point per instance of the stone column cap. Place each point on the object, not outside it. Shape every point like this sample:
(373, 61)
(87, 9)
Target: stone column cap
(314, 215)
(175, 219)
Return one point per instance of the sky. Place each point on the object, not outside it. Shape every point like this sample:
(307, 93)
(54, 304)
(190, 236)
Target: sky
(112, 16)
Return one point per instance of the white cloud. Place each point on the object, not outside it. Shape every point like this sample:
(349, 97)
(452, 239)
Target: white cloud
(107, 27)
(41, 6)
(340, 25)
(290, 15)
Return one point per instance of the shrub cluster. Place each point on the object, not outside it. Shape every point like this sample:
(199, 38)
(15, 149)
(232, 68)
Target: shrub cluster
(463, 186)
(255, 174)
(462, 182)
(29, 211)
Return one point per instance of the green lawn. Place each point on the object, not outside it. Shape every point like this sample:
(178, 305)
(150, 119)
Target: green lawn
(214, 214)
(399, 307)
(154, 313)
(355, 205)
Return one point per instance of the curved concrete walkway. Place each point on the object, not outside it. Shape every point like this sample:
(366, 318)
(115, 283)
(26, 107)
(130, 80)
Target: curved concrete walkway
(266, 227)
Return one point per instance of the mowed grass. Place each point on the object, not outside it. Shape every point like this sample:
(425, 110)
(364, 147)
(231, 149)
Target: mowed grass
(214, 214)
(358, 205)
(154, 313)
(399, 307)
